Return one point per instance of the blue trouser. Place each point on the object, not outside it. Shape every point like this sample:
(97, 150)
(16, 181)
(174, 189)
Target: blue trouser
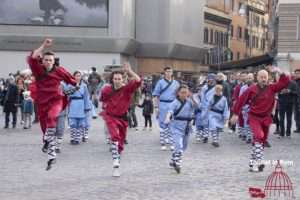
(77, 128)
(165, 133)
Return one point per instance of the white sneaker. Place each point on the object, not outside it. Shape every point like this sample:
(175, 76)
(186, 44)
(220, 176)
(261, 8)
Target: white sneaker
(116, 163)
(163, 147)
(172, 148)
(116, 172)
(198, 139)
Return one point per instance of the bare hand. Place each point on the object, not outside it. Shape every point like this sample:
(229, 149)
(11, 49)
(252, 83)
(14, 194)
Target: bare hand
(47, 42)
(234, 119)
(274, 69)
(126, 67)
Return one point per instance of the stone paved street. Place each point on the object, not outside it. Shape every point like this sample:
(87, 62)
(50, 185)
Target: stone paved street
(84, 171)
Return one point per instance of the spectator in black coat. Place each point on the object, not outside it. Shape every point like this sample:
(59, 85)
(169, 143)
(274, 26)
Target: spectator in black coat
(286, 100)
(11, 103)
(147, 106)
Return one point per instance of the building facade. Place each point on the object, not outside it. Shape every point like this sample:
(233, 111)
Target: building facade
(288, 42)
(150, 34)
(217, 20)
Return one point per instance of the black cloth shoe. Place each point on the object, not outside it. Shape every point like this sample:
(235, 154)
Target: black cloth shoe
(6, 126)
(297, 131)
(215, 144)
(177, 168)
(45, 146)
(50, 163)
(267, 144)
(57, 150)
(205, 140)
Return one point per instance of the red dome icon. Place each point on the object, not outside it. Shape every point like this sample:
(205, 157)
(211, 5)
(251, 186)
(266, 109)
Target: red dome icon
(279, 184)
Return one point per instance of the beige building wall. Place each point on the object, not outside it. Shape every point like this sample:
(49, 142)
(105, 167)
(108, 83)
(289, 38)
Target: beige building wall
(149, 66)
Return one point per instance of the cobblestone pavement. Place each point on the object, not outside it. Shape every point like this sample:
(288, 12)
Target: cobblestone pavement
(84, 171)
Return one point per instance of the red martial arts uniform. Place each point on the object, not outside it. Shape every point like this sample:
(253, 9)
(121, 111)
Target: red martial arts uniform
(261, 105)
(115, 112)
(49, 96)
(236, 94)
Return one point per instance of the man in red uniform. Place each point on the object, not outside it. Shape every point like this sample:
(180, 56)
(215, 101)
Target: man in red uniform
(49, 96)
(116, 99)
(235, 97)
(261, 98)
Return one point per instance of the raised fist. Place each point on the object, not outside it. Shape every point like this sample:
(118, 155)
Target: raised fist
(48, 42)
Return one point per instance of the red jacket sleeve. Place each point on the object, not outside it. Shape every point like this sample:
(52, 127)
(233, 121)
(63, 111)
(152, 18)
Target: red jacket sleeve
(236, 92)
(282, 83)
(132, 86)
(242, 100)
(105, 93)
(66, 76)
(35, 66)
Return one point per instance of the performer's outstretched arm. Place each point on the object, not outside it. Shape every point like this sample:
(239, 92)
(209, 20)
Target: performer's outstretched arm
(131, 73)
(39, 51)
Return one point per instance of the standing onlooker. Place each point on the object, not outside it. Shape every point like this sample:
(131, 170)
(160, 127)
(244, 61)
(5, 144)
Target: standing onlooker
(21, 89)
(132, 119)
(147, 106)
(10, 103)
(297, 101)
(93, 82)
(32, 88)
(286, 99)
(27, 109)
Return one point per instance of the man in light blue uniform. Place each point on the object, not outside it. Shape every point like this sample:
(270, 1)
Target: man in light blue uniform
(247, 133)
(79, 105)
(181, 110)
(164, 94)
(218, 114)
(207, 92)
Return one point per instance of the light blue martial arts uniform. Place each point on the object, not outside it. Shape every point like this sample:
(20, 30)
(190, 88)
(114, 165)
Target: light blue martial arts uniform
(245, 130)
(207, 93)
(165, 97)
(197, 114)
(180, 126)
(87, 120)
(218, 113)
(78, 106)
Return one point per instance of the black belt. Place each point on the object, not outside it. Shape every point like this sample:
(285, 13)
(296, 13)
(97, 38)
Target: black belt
(217, 111)
(166, 101)
(123, 117)
(76, 98)
(197, 111)
(183, 119)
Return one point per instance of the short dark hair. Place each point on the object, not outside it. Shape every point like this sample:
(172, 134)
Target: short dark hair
(167, 68)
(49, 53)
(93, 69)
(76, 72)
(183, 86)
(113, 74)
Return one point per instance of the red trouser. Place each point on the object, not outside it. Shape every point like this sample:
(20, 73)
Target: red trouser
(48, 113)
(117, 129)
(260, 128)
(241, 120)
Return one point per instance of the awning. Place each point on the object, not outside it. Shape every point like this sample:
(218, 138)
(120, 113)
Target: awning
(243, 64)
